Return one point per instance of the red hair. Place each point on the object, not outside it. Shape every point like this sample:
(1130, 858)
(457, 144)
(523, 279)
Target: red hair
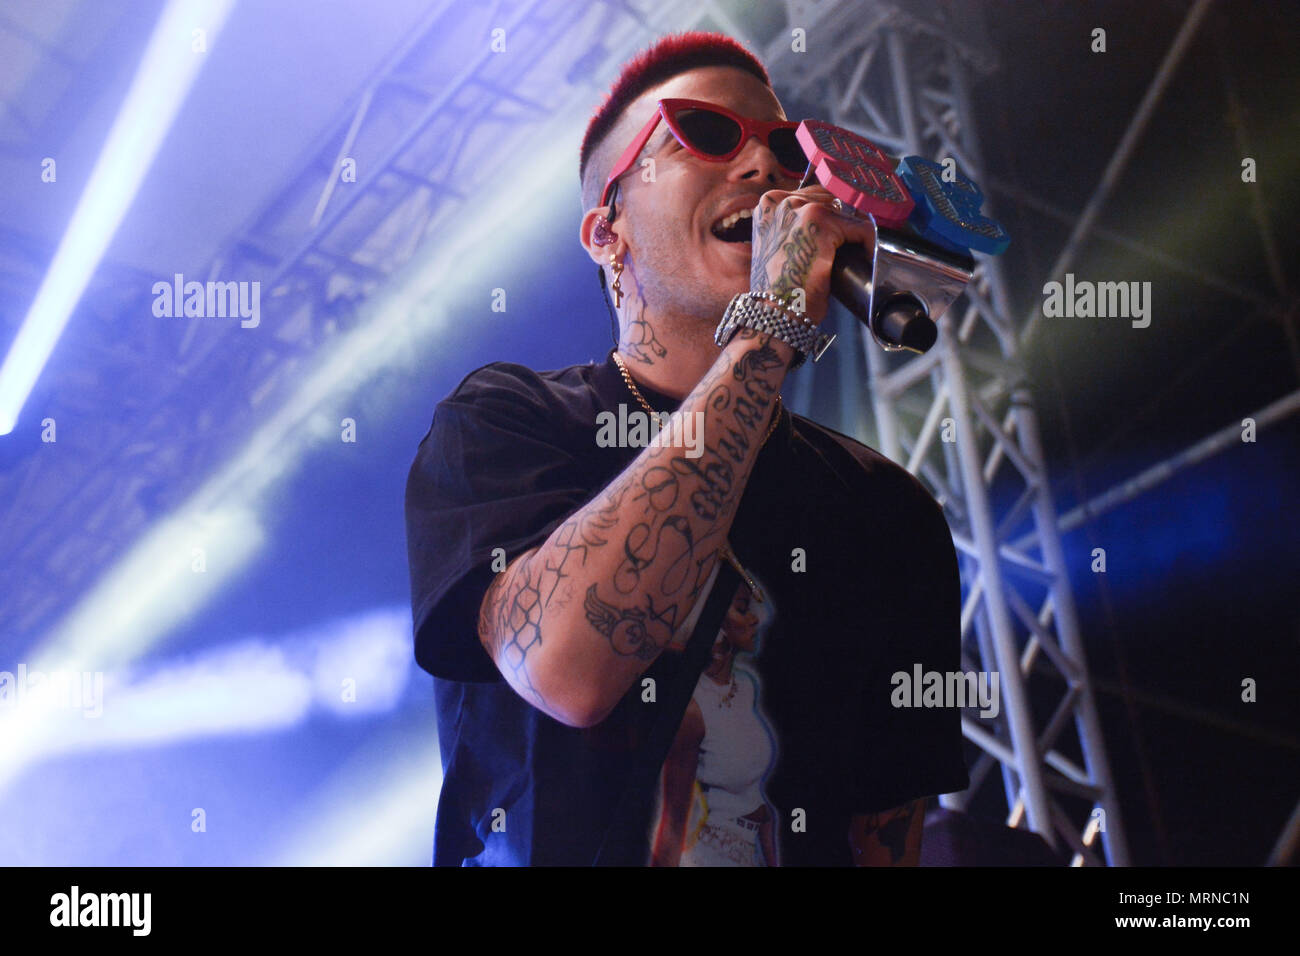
(669, 56)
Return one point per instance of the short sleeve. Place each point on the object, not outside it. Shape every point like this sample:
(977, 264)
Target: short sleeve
(492, 472)
(905, 753)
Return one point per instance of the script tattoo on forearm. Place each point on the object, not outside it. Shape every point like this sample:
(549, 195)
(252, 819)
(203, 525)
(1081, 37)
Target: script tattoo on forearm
(673, 535)
(673, 509)
(713, 473)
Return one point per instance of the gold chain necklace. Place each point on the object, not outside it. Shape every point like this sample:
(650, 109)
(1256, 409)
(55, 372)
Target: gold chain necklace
(725, 551)
(636, 393)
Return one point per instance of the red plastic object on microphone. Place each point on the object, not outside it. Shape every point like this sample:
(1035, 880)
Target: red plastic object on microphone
(856, 171)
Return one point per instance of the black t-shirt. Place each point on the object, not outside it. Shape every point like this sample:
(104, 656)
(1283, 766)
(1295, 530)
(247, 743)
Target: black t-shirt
(791, 729)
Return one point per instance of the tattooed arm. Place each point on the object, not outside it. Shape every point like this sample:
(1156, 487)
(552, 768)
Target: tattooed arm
(572, 623)
(796, 236)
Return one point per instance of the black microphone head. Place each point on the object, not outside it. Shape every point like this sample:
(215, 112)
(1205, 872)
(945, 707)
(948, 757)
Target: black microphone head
(904, 323)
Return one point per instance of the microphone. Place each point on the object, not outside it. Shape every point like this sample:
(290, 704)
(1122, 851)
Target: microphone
(927, 219)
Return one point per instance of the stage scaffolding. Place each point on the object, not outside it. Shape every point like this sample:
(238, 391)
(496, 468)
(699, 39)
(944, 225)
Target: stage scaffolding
(962, 418)
(899, 78)
(427, 133)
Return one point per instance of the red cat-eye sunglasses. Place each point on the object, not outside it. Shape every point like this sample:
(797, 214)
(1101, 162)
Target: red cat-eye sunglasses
(713, 133)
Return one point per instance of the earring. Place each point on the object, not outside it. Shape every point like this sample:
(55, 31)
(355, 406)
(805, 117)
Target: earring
(602, 236)
(616, 288)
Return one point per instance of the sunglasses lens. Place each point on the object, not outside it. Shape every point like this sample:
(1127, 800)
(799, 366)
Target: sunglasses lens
(787, 150)
(709, 132)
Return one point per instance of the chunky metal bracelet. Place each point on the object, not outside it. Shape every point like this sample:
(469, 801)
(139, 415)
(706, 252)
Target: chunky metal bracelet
(783, 303)
(755, 311)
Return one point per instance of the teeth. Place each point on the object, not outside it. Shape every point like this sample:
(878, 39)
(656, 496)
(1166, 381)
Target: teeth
(734, 218)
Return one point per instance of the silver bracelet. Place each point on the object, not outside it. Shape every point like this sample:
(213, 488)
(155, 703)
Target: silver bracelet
(765, 313)
(783, 303)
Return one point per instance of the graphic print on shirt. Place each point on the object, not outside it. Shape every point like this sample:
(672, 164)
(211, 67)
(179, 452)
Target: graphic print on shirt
(711, 806)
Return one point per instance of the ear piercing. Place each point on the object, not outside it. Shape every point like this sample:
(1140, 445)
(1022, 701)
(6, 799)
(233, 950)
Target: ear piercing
(617, 266)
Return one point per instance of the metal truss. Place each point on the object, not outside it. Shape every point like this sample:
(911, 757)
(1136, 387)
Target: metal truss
(427, 134)
(423, 135)
(962, 417)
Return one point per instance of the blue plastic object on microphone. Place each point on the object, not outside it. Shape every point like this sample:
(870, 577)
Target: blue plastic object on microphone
(949, 212)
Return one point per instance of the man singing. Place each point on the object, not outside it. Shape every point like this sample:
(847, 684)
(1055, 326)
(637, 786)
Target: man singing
(557, 575)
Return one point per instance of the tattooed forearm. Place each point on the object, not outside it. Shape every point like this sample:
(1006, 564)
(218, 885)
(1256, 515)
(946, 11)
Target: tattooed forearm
(632, 631)
(755, 361)
(510, 625)
(624, 571)
(713, 475)
(510, 617)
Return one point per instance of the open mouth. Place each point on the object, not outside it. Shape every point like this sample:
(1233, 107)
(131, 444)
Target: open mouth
(738, 227)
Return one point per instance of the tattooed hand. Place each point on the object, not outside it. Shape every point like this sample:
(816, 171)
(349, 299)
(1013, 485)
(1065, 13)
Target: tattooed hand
(796, 235)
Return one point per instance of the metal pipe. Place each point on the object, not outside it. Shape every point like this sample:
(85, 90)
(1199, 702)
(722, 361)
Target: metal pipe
(1123, 152)
(1162, 471)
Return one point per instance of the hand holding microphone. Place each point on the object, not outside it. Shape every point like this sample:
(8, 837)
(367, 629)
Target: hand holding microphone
(899, 275)
(796, 235)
